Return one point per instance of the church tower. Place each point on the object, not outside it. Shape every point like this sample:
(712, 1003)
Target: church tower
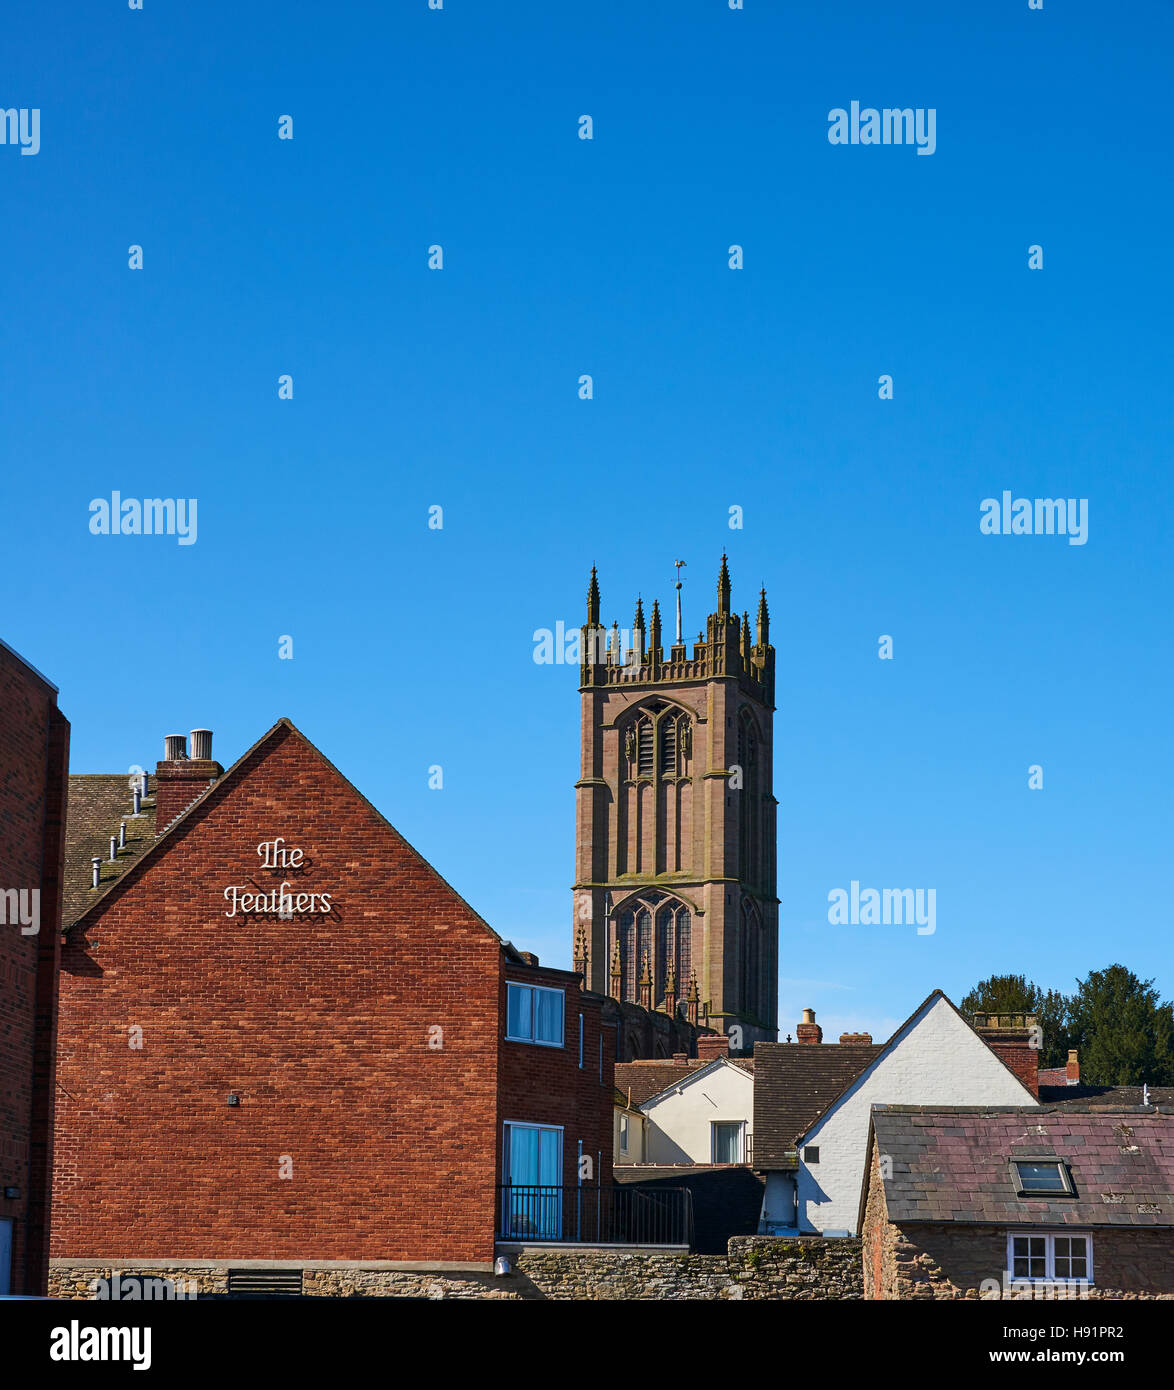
(675, 905)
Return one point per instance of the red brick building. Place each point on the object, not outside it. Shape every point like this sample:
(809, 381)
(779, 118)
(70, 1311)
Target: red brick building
(284, 1037)
(34, 757)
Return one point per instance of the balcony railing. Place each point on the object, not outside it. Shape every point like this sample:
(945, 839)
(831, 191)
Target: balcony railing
(617, 1215)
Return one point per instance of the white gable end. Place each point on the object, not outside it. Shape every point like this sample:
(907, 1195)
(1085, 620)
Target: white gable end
(936, 1060)
(681, 1121)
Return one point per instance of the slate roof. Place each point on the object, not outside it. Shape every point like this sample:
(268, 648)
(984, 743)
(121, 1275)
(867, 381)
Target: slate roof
(1105, 1097)
(650, 1078)
(794, 1083)
(953, 1164)
(97, 804)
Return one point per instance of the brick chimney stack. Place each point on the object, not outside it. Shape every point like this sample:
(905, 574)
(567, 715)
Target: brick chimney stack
(856, 1039)
(808, 1031)
(1014, 1038)
(711, 1045)
(180, 779)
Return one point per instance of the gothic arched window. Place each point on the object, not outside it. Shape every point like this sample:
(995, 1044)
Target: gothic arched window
(660, 740)
(670, 944)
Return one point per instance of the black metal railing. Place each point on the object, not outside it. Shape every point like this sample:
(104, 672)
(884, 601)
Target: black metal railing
(616, 1215)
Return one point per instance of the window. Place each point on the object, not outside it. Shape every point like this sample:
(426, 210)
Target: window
(532, 1161)
(666, 944)
(1055, 1258)
(534, 1014)
(623, 1134)
(1041, 1177)
(727, 1141)
(811, 1153)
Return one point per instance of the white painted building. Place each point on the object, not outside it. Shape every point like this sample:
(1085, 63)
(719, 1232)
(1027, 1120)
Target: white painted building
(705, 1117)
(936, 1058)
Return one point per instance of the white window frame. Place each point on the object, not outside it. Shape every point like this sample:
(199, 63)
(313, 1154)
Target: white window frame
(534, 990)
(713, 1124)
(1050, 1276)
(623, 1134)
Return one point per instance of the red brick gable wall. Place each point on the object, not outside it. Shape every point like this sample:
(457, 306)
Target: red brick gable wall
(34, 758)
(321, 1025)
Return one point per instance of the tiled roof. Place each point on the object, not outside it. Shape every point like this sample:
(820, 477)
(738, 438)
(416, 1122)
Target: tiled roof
(1052, 1076)
(954, 1164)
(97, 805)
(1088, 1097)
(793, 1084)
(649, 1078)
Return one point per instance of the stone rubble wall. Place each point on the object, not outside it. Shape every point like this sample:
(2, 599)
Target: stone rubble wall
(754, 1268)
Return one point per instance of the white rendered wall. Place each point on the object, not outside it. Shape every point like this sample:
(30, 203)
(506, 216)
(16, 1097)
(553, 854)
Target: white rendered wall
(679, 1123)
(938, 1060)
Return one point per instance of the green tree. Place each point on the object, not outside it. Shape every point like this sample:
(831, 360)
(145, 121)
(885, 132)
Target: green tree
(1016, 994)
(1125, 1033)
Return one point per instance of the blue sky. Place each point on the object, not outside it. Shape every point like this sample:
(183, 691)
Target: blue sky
(713, 388)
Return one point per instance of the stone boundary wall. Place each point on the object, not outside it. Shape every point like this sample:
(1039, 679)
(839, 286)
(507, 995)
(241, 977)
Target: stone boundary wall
(754, 1268)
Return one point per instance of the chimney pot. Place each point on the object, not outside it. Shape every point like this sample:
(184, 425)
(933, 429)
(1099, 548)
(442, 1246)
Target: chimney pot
(113, 848)
(95, 871)
(201, 744)
(1072, 1071)
(808, 1031)
(175, 747)
(122, 835)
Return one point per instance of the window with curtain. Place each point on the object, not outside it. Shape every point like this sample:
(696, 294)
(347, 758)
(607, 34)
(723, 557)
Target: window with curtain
(533, 1164)
(534, 1014)
(727, 1141)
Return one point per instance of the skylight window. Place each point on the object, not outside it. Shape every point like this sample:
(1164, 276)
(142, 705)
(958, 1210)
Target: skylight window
(1041, 1177)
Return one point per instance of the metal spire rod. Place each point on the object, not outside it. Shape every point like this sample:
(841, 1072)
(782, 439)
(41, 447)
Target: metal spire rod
(680, 564)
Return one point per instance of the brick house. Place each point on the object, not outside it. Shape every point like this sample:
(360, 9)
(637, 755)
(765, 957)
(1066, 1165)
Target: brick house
(966, 1202)
(34, 758)
(812, 1101)
(285, 1038)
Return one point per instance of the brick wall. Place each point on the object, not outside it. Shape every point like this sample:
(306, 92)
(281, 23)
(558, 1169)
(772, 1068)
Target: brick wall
(34, 757)
(321, 1025)
(546, 1085)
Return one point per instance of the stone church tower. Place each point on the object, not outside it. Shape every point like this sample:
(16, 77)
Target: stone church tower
(674, 898)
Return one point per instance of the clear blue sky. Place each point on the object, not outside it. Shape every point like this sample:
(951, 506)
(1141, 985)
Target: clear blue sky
(712, 388)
